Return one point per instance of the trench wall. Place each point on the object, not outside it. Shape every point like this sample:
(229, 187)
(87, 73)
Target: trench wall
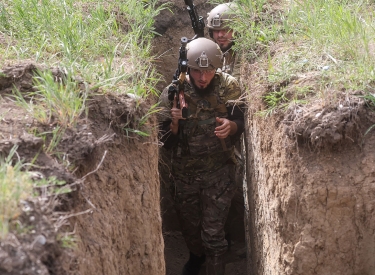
(311, 212)
(122, 234)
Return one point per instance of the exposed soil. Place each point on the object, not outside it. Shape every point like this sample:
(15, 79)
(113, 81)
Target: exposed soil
(312, 188)
(35, 249)
(125, 225)
(114, 209)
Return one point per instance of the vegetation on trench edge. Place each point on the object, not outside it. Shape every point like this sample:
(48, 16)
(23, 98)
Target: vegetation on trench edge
(334, 40)
(19, 183)
(105, 43)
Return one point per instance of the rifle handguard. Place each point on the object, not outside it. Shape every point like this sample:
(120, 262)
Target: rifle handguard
(183, 104)
(172, 91)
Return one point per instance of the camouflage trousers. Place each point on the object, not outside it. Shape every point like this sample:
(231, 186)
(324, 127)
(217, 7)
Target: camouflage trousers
(202, 203)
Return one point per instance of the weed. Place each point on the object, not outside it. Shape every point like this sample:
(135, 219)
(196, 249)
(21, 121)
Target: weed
(61, 100)
(55, 136)
(370, 101)
(15, 185)
(153, 109)
(332, 39)
(21, 228)
(274, 98)
(138, 132)
(51, 187)
(87, 39)
(67, 241)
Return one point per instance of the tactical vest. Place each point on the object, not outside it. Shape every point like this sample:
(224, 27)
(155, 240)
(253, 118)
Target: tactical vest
(199, 148)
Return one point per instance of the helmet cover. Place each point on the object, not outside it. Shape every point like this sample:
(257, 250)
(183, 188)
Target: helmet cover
(204, 54)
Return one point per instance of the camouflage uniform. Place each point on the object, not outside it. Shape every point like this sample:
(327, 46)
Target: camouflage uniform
(231, 65)
(202, 167)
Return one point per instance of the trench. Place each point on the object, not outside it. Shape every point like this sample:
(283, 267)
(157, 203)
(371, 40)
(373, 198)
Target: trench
(289, 190)
(311, 211)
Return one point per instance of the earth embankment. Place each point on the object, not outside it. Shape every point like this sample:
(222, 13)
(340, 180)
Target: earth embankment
(111, 218)
(311, 188)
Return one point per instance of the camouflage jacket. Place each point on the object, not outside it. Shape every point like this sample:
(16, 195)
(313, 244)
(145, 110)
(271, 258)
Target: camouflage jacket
(196, 149)
(231, 65)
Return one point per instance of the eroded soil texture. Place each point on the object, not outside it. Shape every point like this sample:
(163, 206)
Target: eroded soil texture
(111, 215)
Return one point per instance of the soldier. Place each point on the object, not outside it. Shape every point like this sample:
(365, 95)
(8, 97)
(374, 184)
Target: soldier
(218, 29)
(202, 155)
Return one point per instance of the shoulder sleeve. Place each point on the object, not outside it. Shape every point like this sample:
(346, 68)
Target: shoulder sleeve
(232, 90)
(236, 68)
(234, 102)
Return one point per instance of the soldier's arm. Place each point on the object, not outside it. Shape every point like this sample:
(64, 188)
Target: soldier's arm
(236, 115)
(234, 104)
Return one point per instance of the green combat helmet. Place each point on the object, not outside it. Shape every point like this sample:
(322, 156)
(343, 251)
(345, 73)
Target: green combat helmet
(219, 16)
(204, 54)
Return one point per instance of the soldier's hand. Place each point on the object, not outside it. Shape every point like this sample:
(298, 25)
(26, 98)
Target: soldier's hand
(176, 115)
(225, 127)
(175, 112)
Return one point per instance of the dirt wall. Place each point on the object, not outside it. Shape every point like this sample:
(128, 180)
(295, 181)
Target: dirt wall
(122, 232)
(113, 209)
(311, 208)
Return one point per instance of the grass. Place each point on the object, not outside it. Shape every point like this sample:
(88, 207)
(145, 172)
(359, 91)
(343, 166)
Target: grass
(18, 184)
(341, 33)
(15, 185)
(68, 242)
(59, 101)
(106, 43)
(332, 38)
(370, 101)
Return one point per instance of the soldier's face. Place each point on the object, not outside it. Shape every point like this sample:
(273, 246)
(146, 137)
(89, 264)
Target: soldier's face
(224, 38)
(202, 78)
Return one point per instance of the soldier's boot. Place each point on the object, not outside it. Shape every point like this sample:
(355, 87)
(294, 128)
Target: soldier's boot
(193, 265)
(215, 265)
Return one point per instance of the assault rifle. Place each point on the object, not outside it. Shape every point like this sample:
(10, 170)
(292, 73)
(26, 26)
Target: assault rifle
(178, 88)
(197, 22)
(179, 77)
